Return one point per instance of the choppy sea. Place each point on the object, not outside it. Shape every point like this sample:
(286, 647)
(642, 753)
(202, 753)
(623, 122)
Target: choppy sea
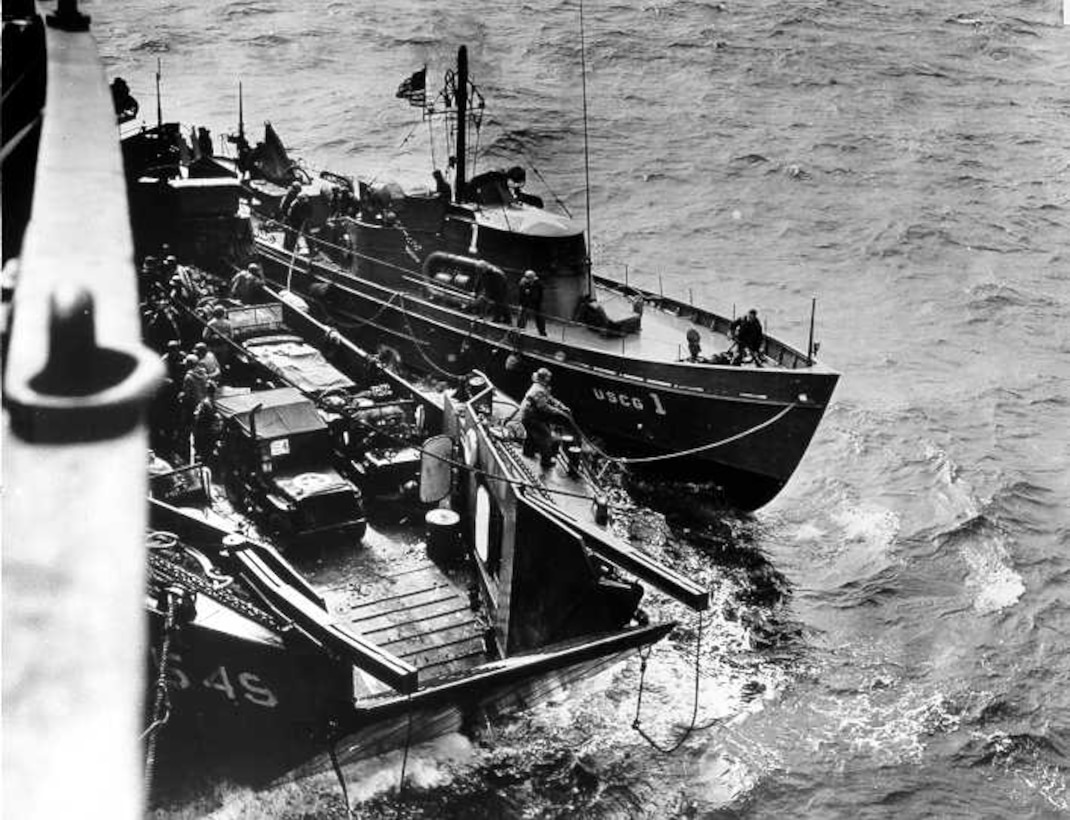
(891, 636)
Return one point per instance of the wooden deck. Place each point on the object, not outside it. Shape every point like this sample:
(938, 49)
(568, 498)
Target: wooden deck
(391, 593)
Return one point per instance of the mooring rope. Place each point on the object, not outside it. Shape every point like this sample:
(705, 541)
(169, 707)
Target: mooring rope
(691, 450)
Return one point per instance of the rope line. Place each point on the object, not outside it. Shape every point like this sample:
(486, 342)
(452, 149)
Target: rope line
(333, 752)
(691, 450)
(161, 709)
(693, 725)
(405, 756)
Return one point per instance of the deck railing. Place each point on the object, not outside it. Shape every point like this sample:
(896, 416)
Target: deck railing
(74, 442)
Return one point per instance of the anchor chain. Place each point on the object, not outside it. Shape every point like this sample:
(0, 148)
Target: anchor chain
(169, 572)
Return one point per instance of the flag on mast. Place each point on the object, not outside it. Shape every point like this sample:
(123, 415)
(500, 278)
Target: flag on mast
(414, 88)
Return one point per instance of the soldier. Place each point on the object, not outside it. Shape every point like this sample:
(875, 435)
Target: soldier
(216, 334)
(246, 284)
(207, 358)
(174, 364)
(207, 426)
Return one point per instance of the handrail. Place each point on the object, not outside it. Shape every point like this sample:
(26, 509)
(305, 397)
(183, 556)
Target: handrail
(74, 515)
(779, 355)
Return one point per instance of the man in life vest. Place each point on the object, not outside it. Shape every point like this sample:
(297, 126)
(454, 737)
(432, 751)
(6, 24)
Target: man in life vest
(747, 333)
(537, 410)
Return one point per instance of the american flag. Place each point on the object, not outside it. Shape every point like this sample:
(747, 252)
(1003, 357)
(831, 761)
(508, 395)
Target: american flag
(414, 88)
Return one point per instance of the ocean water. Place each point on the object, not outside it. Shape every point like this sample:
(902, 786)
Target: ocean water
(891, 636)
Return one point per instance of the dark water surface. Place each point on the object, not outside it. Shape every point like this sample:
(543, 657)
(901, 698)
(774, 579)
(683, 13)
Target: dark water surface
(890, 637)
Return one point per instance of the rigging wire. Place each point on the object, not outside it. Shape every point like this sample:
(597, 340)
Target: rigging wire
(586, 151)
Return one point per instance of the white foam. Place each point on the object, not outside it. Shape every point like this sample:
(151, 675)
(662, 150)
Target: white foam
(869, 523)
(991, 580)
(428, 765)
(809, 532)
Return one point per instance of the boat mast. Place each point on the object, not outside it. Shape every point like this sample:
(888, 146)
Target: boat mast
(586, 154)
(462, 113)
(159, 108)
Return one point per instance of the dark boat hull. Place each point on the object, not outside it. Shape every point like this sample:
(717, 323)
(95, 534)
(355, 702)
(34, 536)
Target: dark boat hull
(258, 713)
(743, 431)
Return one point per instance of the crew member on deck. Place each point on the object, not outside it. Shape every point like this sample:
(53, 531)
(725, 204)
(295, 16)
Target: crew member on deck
(589, 312)
(531, 301)
(204, 142)
(194, 389)
(538, 409)
(174, 362)
(442, 188)
(694, 346)
(207, 427)
(246, 284)
(296, 219)
(208, 360)
(216, 332)
(288, 199)
(748, 336)
(493, 290)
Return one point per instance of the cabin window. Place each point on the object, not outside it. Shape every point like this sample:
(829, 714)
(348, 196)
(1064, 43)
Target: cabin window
(488, 531)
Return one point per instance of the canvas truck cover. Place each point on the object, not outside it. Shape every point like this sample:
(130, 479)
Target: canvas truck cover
(282, 412)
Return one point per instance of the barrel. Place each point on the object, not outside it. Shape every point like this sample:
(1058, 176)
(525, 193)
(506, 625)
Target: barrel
(443, 535)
